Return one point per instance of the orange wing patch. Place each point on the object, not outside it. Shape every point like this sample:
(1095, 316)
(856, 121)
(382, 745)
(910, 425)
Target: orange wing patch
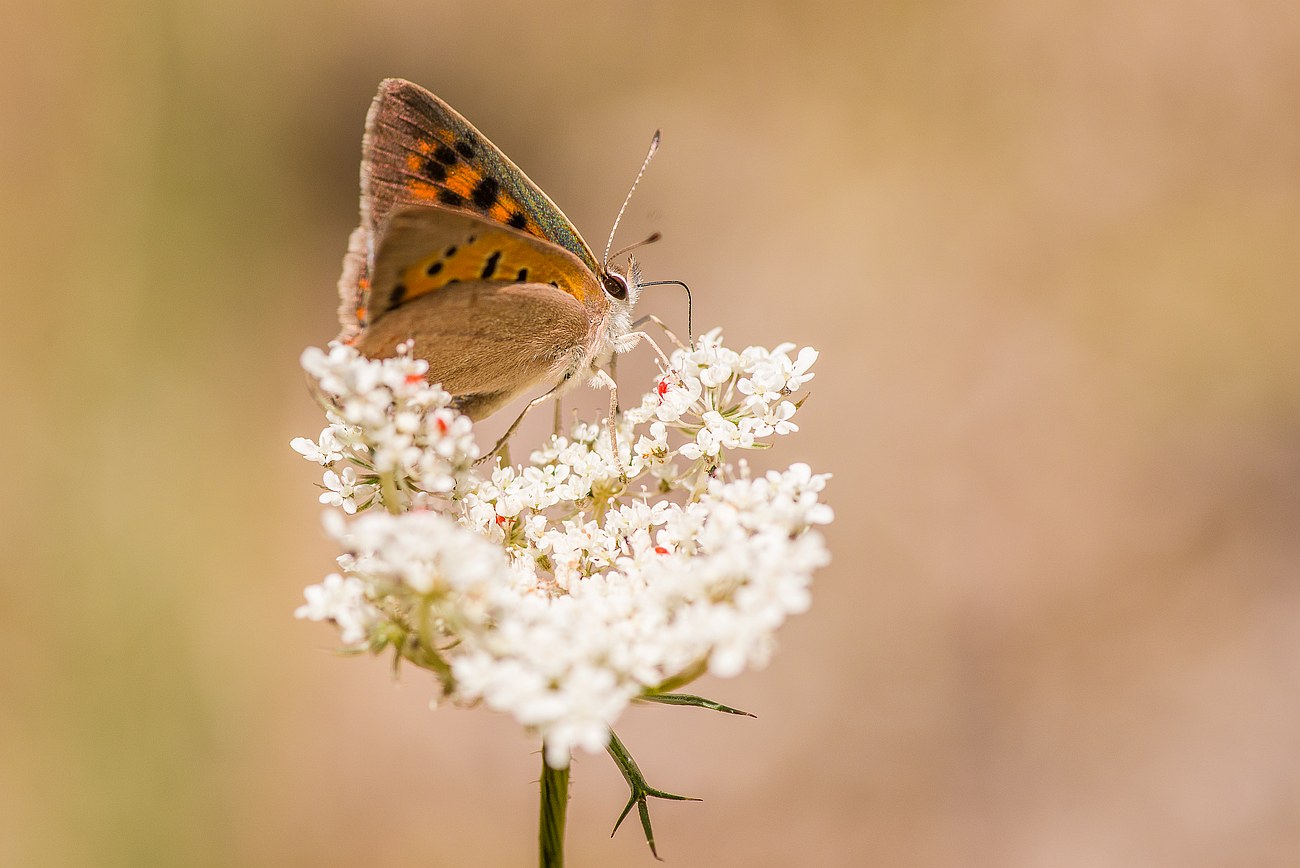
(445, 173)
(498, 258)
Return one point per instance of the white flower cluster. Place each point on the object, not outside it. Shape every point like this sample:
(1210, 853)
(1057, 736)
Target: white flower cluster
(395, 436)
(725, 399)
(561, 590)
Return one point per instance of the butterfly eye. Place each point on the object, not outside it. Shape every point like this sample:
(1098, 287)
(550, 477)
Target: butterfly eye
(615, 285)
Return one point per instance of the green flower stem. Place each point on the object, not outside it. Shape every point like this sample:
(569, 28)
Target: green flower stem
(388, 490)
(423, 654)
(555, 801)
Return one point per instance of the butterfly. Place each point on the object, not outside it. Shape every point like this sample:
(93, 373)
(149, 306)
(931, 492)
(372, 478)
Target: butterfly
(459, 252)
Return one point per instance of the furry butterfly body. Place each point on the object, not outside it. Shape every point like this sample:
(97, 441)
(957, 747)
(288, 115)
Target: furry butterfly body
(461, 253)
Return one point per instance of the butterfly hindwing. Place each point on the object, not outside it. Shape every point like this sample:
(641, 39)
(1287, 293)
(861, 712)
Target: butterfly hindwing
(419, 151)
(486, 343)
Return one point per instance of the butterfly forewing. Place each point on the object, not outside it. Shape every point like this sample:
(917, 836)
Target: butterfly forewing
(419, 151)
(425, 250)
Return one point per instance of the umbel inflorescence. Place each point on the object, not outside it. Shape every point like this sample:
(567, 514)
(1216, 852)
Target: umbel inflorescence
(563, 589)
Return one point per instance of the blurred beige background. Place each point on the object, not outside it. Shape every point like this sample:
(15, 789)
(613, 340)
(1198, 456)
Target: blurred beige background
(1048, 253)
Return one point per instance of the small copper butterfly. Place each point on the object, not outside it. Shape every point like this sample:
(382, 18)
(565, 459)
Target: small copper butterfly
(461, 253)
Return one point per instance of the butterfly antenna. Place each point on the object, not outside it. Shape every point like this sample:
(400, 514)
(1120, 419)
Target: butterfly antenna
(654, 146)
(654, 236)
(690, 304)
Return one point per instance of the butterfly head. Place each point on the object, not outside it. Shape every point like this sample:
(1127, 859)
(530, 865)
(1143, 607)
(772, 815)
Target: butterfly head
(622, 288)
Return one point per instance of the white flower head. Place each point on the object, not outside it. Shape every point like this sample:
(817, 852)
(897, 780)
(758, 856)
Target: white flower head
(397, 434)
(342, 601)
(561, 589)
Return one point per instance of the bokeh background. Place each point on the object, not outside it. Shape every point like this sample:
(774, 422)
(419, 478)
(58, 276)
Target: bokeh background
(1048, 252)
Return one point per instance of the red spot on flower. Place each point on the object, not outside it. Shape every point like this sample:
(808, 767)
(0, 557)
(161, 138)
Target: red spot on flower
(442, 426)
(662, 389)
(412, 379)
(501, 520)
(661, 550)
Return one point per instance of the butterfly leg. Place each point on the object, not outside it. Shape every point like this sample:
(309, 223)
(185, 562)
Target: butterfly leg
(559, 418)
(505, 438)
(613, 376)
(631, 339)
(657, 321)
(602, 378)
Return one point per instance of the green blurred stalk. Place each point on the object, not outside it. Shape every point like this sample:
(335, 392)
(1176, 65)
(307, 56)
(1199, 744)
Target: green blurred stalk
(555, 800)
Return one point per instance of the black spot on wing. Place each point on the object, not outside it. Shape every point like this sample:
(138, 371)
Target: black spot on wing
(464, 148)
(522, 276)
(435, 171)
(451, 251)
(517, 220)
(490, 267)
(485, 193)
(399, 293)
(445, 155)
(451, 197)
(434, 268)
